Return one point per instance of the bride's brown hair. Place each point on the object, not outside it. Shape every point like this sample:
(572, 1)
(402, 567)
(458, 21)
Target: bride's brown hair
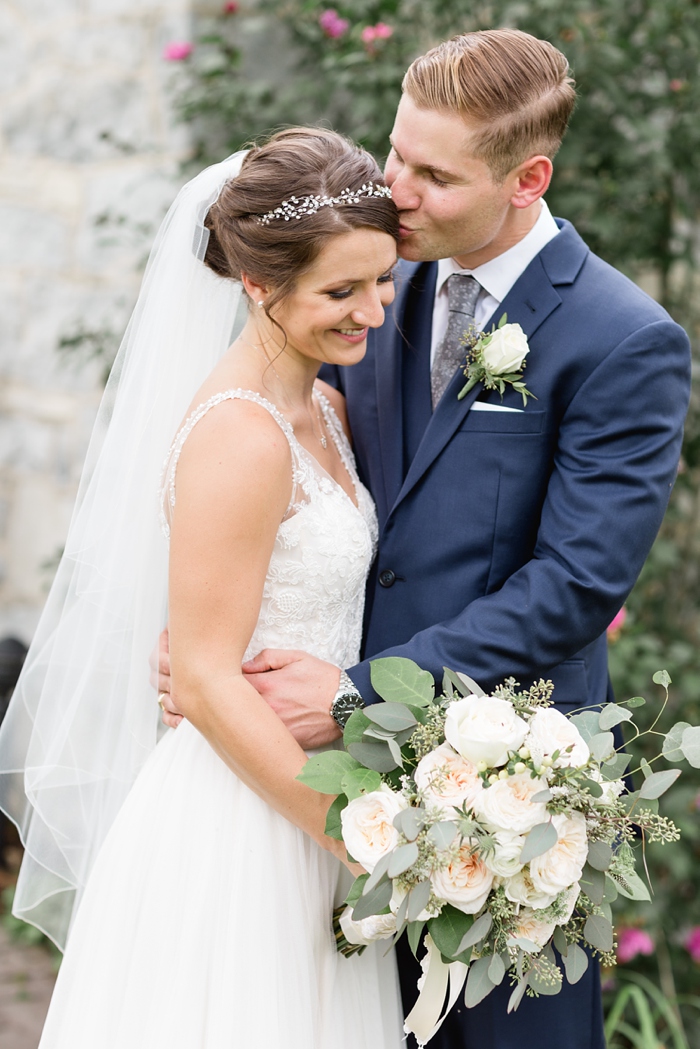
(298, 162)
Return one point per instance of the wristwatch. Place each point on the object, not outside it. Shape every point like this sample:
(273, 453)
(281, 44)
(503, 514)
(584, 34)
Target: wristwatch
(346, 700)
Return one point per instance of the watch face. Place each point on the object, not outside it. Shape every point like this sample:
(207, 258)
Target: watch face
(344, 706)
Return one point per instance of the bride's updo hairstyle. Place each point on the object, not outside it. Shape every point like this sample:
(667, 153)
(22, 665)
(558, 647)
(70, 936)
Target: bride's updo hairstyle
(299, 162)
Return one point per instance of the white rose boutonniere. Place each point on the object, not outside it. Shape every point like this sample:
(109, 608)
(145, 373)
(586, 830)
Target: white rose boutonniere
(496, 358)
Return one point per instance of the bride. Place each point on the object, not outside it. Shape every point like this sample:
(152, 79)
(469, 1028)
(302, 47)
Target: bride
(205, 922)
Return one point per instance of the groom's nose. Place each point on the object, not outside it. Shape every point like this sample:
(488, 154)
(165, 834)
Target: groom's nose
(403, 190)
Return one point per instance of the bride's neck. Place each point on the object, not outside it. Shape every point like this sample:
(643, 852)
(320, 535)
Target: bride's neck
(286, 375)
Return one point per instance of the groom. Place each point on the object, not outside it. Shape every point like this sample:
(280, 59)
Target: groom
(510, 535)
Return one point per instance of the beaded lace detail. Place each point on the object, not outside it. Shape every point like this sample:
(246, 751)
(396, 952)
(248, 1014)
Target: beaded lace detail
(313, 597)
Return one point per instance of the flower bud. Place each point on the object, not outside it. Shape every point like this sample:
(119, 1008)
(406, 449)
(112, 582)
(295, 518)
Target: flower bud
(520, 766)
(524, 753)
(503, 774)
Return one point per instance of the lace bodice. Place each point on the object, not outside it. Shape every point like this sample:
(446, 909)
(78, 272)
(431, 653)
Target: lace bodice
(313, 598)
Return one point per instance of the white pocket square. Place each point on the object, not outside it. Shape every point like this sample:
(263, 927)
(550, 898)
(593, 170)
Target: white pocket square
(482, 406)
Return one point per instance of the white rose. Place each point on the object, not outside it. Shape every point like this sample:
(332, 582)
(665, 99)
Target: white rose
(466, 882)
(530, 927)
(367, 930)
(507, 350)
(484, 729)
(562, 865)
(520, 889)
(504, 861)
(368, 825)
(507, 805)
(447, 779)
(551, 731)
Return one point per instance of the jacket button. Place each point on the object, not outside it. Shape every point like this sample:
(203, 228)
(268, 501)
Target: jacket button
(387, 577)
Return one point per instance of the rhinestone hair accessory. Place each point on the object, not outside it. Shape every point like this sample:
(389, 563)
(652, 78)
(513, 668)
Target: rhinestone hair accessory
(296, 207)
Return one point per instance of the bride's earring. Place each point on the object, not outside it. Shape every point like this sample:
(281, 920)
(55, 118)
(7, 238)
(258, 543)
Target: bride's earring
(261, 303)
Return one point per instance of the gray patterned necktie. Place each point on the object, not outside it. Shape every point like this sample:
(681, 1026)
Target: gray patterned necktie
(462, 293)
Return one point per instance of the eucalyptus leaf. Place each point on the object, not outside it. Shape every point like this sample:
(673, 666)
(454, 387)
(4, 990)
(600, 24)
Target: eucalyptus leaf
(615, 768)
(399, 680)
(690, 745)
(636, 701)
(631, 885)
(588, 723)
(612, 715)
(600, 855)
(379, 873)
(449, 928)
(373, 902)
(542, 796)
(575, 963)
(360, 781)
(419, 896)
(496, 970)
(602, 745)
(456, 682)
(443, 834)
(540, 839)
(598, 932)
(544, 986)
(477, 932)
(355, 727)
(658, 783)
(324, 772)
(524, 944)
(662, 677)
(611, 892)
(375, 756)
(395, 717)
(402, 858)
(560, 941)
(395, 752)
(356, 889)
(593, 787)
(408, 823)
(672, 749)
(479, 984)
(470, 683)
(334, 827)
(592, 882)
(414, 933)
(517, 995)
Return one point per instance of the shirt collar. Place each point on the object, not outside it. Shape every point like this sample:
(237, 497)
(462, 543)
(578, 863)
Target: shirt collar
(497, 276)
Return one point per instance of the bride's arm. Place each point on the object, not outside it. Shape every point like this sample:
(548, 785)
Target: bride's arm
(233, 486)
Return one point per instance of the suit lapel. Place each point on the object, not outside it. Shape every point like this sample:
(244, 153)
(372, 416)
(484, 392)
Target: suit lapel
(529, 302)
(389, 351)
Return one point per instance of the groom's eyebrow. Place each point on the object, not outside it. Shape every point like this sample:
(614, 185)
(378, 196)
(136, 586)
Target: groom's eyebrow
(442, 173)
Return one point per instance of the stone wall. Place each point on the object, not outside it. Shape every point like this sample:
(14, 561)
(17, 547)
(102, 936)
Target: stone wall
(89, 161)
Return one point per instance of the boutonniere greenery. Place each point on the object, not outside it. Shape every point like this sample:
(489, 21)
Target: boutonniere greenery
(496, 358)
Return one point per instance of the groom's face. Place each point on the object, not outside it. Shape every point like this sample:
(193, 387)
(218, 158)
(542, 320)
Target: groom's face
(449, 204)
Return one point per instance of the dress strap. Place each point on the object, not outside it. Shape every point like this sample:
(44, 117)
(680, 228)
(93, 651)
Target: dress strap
(338, 436)
(167, 483)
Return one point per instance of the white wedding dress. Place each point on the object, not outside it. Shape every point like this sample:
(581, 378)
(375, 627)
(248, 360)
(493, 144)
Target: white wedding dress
(206, 921)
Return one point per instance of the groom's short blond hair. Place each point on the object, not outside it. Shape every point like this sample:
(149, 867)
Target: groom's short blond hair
(514, 91)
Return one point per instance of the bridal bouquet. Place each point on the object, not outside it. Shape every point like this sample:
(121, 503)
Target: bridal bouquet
(493, 830)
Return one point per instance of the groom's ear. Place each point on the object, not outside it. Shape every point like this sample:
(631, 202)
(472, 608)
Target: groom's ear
(530, 181)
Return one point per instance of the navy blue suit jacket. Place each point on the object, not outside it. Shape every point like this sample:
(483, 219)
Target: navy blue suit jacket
(510, 540)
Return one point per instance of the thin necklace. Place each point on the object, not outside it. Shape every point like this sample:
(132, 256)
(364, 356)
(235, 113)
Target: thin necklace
(322, 440)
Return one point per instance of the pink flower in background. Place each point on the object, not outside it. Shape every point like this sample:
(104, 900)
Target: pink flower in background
(332, 24)
(617, 624)
(676, 85)
(231, 7)
(380, 31)
(692, 943)
(177, 50)
(631, 942)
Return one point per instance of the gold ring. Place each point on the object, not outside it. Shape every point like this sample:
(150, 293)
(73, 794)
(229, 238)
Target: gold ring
(160, 701)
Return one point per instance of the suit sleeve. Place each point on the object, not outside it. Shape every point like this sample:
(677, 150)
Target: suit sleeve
(615, 463)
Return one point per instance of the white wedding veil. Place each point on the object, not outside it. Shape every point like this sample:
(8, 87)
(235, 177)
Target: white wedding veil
(84, 718)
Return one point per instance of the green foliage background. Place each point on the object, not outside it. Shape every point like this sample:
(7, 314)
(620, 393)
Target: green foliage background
(628, 177)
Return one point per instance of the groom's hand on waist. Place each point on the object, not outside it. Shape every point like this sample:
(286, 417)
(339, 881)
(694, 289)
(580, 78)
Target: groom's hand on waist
(300, 689)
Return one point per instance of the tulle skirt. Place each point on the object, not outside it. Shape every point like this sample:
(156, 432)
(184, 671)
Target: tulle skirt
(206, 924)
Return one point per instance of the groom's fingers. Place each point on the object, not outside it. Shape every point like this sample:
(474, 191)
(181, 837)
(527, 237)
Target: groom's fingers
(271, 659)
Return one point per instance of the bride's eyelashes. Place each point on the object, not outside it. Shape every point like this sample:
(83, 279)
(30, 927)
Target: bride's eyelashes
(386, 278)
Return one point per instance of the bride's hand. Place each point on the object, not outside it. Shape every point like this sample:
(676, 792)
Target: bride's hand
(159, 661)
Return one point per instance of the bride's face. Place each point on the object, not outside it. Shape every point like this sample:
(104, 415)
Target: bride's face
(328, 315)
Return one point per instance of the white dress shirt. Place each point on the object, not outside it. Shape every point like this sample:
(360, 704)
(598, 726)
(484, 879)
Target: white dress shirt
(496, 277)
